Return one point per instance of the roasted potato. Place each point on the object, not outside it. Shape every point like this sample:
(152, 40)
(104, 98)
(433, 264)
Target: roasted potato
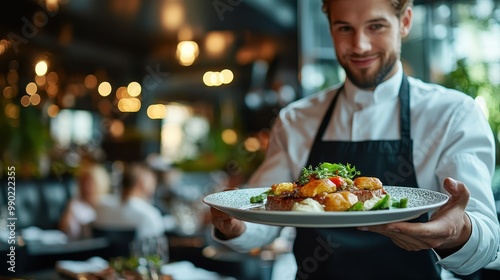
(280, 188)
(339, 201)
(315, 187)
(367, 183)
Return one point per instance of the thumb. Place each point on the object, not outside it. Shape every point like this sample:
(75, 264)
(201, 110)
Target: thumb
(457, 190)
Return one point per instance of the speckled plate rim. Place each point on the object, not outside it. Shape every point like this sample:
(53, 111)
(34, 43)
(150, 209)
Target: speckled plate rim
(237, 204)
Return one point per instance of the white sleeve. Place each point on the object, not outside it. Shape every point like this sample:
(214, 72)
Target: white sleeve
(255, 236)
(469, 158)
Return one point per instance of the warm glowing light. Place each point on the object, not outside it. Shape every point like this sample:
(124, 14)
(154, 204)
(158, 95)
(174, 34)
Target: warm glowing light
(104, 89)
(215, 43)
(227, 76)
(172, 15)
(117, 128)
(215, 79)
(129, 105)
(31, 88)
(206, 78)
(52, 5)
(53, 110)
(11, 111)
(229, 136)
(157, 111)
(35, 99)
(121, 92)
(52, 78)
(8, 92)
(25, 100)
(252, 144)
(90, 81)
(40, 80)
(211, 78)
(187, 52)
(52, 90)
(4, 46)
(41, 68)
(134, 89)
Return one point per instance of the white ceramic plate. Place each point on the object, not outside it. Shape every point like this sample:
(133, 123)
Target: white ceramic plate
(237, 204)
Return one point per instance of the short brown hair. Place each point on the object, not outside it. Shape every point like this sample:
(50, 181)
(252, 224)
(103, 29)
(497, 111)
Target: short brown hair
(133, 175)
(398, 6)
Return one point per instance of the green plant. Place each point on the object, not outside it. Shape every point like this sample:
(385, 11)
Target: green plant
(472, 79)
(26, 140)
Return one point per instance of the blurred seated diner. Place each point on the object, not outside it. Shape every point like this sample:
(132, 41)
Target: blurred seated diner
(93, 182)
(135, 209)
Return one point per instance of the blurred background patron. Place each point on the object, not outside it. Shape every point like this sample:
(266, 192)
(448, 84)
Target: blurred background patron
(135, 210)
(93, 182)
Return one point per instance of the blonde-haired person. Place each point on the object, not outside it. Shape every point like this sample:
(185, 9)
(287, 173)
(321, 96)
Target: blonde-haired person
(94, 184)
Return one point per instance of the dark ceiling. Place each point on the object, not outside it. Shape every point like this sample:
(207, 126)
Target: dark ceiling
(127, 40)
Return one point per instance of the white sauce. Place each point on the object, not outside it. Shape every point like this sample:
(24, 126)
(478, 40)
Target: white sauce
(368, 204)
(308, 205)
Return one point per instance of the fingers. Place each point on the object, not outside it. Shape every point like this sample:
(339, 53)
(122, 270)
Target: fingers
(448, 227)
(402, 240)
(225, 224)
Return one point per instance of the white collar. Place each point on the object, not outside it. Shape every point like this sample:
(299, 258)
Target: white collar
(387, 90)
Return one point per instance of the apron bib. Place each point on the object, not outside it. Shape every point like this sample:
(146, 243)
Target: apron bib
(348, 253)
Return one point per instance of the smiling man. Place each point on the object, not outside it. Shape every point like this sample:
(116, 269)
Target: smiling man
(399, 129)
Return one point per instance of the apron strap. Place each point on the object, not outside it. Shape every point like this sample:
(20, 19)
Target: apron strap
(404, 113)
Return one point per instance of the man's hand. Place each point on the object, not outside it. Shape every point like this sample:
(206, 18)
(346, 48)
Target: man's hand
(227, 226)
(447, 230)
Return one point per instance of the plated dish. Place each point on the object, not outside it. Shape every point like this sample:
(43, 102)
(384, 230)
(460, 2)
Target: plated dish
(236, 203)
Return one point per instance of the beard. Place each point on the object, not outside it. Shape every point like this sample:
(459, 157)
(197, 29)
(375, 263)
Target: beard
(364, 80)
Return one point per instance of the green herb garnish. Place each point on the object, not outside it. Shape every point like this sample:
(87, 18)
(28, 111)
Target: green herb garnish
(260, 198)
(327, 170)
(358, 206)
(402, 203)
(383, 203)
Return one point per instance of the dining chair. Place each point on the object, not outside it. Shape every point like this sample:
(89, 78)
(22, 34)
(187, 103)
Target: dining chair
(120, 240)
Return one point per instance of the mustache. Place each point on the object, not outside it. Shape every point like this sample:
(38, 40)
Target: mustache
(362, 56)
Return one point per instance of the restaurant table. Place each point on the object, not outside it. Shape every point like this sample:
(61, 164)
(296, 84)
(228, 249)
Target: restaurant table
(34, 256)
(201, 250)
(177, 271)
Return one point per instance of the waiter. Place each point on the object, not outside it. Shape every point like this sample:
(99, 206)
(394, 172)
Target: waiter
(399, 129)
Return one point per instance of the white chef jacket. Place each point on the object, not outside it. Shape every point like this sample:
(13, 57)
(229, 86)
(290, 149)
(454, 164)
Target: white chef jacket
(451, 138)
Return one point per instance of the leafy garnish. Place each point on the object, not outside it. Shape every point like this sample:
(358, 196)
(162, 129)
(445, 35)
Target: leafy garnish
(260, 197)
(327, 170)
(358, 206)
(383, 203)
(402, 203)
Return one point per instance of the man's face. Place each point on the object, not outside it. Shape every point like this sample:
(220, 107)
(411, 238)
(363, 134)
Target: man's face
(367, 37)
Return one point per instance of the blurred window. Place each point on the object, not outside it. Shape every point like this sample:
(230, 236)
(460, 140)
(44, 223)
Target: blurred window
(75, 127)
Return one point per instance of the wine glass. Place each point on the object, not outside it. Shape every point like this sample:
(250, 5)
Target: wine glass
(151, 254)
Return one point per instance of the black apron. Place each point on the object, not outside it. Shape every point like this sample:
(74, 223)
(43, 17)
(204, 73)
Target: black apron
(348, 253)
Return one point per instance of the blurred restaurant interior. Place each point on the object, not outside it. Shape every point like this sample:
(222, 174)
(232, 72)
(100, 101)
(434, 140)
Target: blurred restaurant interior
(192, 88)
